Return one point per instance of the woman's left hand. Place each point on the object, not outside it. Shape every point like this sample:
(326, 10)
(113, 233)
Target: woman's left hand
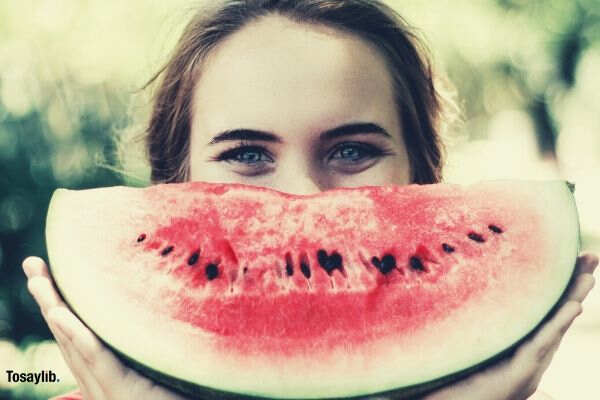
(100, 375)
(518, 376)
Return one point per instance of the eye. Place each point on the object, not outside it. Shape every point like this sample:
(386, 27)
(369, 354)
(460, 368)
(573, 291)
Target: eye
(354, 152)
(246, 154)
(355, 157)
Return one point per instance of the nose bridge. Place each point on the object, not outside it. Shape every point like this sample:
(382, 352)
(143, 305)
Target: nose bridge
(301, 180)
(301, 183)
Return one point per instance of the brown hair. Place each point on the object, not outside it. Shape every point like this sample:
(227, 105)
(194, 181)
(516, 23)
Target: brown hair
(419, 104)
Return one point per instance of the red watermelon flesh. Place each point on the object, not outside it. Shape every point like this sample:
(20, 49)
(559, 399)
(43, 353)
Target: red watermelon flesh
(344, 293)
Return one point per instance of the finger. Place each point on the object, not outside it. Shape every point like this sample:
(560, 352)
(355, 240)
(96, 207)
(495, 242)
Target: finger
(83, 339)
(87, 383)
(104, 366)
(48, 300)
(35, 266)
(548, 337)
(581, 287)
(586, 264)
(44, 294)
(104, 373)
(66, 351)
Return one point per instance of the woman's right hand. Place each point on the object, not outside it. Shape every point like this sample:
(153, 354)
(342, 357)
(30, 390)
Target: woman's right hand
(99, 374)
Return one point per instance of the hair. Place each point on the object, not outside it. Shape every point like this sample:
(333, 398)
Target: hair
(420, 106)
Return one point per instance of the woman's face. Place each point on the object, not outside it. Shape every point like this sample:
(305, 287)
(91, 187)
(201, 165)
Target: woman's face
(297, 108)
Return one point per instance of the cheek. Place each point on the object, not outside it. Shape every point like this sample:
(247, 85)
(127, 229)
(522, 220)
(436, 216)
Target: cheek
(201, 170)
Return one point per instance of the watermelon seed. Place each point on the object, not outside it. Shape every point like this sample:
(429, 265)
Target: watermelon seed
(416, 264)
(166, 250)
(289, 265)
(494, 228)
(335, 260)
(476, 237)
(193, 258)
(322, 257)
(376, 262)
(305, 265)
(245, 270)
(141, 237)
(330, 262)
(211, 271)
(447, 248)
(305, 269)
(388, 263)
(385, 265)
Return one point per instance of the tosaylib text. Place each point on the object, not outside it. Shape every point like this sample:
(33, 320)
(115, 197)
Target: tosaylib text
(31, 377)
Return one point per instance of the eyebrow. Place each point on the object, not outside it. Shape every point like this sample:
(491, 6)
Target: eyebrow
(354, 129)
(244, 134)
(342, 130)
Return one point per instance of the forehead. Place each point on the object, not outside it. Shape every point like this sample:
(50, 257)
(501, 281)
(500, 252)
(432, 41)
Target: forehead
(276, 73)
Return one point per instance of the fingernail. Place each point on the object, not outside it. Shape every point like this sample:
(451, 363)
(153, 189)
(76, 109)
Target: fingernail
(26, 270)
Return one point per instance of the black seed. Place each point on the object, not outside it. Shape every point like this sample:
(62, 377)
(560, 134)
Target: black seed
(193, 258)
(376, 262)
(476, 237)
(245, 270)
(495, 229)
(322, 257)
(447, 248)
(305, 269)
(388, 263)
(289, 265)
(166, 250)
(329, 263)
(141, 237)
(211, 271)
(335, 260)
(385, 265)
(416, 264)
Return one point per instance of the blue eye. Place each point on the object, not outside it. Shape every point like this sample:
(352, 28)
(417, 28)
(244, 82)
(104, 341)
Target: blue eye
(348, 153)
(250, 155)
(354, 152)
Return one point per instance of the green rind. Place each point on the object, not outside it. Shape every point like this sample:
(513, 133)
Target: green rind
(409, 392)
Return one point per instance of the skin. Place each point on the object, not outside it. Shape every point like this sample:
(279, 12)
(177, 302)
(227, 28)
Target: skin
(301, 107)
(304, 89)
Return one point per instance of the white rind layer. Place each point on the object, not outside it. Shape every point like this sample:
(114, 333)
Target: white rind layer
(120, 314)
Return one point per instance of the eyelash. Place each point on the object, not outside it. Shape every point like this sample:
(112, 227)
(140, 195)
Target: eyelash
(234, 152)
(370, 150)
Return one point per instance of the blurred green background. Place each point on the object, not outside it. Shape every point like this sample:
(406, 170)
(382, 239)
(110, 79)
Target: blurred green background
(527, 75)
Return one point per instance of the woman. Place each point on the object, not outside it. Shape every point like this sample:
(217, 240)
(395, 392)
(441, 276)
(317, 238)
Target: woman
(299, 96)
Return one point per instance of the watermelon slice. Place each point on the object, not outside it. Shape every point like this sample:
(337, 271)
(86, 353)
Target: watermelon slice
(232, 290)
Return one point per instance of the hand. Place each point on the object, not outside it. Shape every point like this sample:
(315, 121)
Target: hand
(517, 377)
(99, 374)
